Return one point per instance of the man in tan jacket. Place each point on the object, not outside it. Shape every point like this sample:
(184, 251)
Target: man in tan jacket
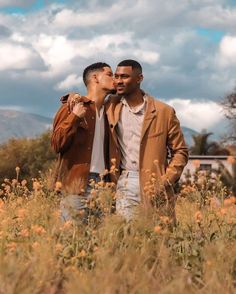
(80, 138)
(144, 131)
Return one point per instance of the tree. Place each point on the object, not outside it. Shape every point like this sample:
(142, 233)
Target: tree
(203, 147)
(31, 155)
(229, 106)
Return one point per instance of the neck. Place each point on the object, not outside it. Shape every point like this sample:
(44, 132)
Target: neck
(134, 98)
(98, 96)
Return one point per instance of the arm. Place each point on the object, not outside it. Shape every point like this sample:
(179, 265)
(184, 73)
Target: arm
(178, 151)
(64, 127)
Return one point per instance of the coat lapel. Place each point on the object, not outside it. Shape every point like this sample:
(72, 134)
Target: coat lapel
(150, 113)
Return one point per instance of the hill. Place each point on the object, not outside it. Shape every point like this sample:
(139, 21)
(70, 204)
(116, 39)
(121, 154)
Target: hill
(17, 124)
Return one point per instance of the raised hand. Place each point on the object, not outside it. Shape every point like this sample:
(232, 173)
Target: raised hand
(79, 109)
(72, 100)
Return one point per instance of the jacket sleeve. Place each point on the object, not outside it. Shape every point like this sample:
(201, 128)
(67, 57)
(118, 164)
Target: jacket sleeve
(178, 150)
(65, 126)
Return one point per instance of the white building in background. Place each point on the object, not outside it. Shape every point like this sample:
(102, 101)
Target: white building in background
(208, 162)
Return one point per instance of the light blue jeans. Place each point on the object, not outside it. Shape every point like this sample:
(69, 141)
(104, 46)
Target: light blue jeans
(128, 194)
(75, 206)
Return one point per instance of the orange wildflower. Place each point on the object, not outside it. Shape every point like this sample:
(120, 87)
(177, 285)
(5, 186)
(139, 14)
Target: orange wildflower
(198, 216)
(196, 163)
(38, 229)
(82, 253)
(157, 229)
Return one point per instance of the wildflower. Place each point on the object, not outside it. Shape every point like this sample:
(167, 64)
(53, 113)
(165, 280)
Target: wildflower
(165, 219)
(223, 211)
(156, 161)
(113, 161)
(11, 246)
(229, 201)
(57, 214)
(1, 204)
(36, 185)
(67, 225)
(196, 163)
(82, 253)
(21, 213)
(157, 229)
(58, 186)
(198, 216)
(59, 247)
(23, 183)
(24, 233)
(14, 182)
(35, 245)
(38, 229)
(231, 159)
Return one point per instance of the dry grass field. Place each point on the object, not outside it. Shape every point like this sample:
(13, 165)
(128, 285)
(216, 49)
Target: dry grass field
(40, 254)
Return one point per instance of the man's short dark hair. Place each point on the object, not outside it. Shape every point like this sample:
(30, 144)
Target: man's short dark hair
(133, 63)
(98, 66)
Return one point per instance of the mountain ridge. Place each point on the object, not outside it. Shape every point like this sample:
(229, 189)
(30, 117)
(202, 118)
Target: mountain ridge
(18, 124)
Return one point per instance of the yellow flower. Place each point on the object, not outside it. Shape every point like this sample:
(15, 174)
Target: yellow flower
(198, 216)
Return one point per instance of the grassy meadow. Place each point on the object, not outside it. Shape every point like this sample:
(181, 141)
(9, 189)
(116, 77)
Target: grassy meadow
(40, 254)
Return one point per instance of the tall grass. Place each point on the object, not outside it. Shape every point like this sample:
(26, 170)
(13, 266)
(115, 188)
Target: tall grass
(40, 254)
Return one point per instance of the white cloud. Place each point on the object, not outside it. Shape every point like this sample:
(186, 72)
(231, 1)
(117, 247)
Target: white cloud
(197, 115)
(227, 51)
(15, 57)
(72, 81)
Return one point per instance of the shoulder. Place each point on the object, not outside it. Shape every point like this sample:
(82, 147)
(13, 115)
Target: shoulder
(112, 101)
(160, 105)
(73, 95)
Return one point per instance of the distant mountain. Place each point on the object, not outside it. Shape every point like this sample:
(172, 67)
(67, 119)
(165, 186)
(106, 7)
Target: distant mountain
(188, 133)
(17, 124)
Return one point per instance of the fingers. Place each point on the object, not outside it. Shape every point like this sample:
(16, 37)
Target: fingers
(73, 99)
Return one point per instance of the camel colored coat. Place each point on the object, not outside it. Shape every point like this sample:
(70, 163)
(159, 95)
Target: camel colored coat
(161, 133)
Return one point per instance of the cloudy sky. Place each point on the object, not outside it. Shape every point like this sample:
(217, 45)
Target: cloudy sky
(187, 49)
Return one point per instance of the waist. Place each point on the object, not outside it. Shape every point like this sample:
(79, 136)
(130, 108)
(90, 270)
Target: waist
(130, 172)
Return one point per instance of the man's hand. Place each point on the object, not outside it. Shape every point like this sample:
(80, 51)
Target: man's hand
(72, 100)
(79, 110)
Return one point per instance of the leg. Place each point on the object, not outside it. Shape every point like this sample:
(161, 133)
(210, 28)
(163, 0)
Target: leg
(128, 194)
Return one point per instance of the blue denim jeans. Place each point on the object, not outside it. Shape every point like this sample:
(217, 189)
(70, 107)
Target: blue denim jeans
(128, 194)
(75, 206)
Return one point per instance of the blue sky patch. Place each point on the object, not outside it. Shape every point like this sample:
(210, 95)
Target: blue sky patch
(211, 34)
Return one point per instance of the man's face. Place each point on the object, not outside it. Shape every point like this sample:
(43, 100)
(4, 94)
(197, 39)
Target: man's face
(105, 79)
(127, 80)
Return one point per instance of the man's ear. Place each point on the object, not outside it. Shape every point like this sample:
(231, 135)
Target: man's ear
(95, 78)
(140, 78)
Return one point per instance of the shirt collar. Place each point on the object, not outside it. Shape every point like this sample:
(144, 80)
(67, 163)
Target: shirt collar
(137, 109)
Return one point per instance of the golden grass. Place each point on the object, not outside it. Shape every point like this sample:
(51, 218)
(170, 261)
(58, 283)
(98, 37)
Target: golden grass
(40, 254)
